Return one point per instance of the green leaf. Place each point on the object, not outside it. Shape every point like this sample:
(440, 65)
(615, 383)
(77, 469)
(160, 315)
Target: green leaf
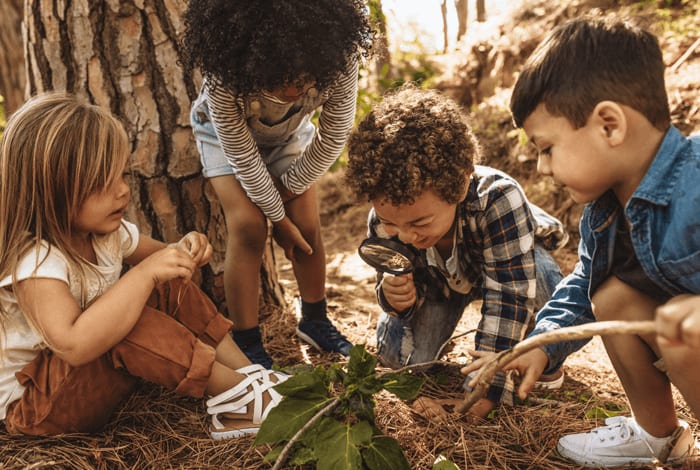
(303, 456)
(384, 453)
(304, 385)
(370, 385)
(599, 412)
(335, 373)
(287, 418)
(273, 454)
(404, 386)
(337, 445)
(359, 404)
(360, 365)
(443, 464)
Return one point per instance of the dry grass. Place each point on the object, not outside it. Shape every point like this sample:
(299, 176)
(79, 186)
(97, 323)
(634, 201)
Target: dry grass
(157, 429)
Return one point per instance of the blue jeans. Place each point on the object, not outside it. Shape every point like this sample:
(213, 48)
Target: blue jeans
(422, 337)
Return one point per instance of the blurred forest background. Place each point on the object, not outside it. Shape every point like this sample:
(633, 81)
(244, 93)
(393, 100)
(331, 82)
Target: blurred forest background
(122, 54)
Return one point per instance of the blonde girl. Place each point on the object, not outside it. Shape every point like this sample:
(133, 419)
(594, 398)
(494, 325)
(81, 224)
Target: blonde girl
(75, 333)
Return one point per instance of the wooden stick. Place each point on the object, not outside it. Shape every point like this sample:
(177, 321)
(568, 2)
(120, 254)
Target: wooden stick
(571, 333)
(685, 55)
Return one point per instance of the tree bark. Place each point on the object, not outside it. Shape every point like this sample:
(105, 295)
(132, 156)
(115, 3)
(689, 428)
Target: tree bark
(445, 35)
(12, 70)
(462, 8)
(122, 55)
(481, 10)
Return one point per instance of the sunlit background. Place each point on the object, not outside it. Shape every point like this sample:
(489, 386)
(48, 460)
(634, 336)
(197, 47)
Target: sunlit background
(410, 21)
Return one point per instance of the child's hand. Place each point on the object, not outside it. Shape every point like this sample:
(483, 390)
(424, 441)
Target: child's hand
(678, 321)
(399, 291)
(288, 236)
(197, 246)
(529, 367)
(166, 264)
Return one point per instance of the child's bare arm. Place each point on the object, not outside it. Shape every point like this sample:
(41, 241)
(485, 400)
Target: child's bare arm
(80, 336)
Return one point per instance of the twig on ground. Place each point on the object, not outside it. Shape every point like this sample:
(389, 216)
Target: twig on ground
(685, 56)
(571, 333)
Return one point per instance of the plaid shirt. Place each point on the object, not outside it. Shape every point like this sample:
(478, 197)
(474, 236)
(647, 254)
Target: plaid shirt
(497, 230)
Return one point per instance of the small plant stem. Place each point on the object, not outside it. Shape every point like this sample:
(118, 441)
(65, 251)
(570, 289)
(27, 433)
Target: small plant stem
(288, 447)
(571, 333)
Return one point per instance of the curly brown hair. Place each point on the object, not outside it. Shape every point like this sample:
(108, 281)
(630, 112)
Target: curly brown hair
(250, 45)
(412, 141)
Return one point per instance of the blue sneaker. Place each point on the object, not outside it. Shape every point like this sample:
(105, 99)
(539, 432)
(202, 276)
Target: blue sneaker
(323, 335)
(250, 342)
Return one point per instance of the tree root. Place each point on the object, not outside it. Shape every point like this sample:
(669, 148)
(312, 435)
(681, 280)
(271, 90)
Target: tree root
(571, 333)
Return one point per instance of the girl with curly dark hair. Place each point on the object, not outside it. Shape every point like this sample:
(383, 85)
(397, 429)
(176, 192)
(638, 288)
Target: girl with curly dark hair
(268, 65)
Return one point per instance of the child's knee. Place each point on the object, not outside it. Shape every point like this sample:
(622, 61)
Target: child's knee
(247, 232)
(616, 300)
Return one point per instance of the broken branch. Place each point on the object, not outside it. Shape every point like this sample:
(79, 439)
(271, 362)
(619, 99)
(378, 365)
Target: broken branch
(570, 333)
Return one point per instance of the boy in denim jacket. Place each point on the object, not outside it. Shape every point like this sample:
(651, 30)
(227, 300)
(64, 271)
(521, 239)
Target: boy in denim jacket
(480, 240)
(592, 100)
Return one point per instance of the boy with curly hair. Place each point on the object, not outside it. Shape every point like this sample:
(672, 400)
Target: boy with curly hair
(413, 158)
(268, 67)
(592, 100)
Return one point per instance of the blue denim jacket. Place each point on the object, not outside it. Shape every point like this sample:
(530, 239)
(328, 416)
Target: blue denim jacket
(664, 213)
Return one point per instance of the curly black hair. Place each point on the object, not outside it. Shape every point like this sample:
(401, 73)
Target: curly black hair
(414, 140)
(251, 45)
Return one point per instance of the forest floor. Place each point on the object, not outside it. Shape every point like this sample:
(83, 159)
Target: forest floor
(156, 429)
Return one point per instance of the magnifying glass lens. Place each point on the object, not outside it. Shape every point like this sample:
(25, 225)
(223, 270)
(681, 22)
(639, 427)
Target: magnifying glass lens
(386, 255)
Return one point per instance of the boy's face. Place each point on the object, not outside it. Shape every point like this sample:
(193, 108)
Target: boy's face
(421, 224)
(575, 158)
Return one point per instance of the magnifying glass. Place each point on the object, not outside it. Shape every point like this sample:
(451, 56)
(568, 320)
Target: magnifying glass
(388, 255)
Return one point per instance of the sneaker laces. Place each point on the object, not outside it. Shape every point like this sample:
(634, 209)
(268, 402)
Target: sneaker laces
(621, 428)
(616, 428)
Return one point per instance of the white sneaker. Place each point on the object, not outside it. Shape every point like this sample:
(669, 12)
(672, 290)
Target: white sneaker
(623, 442)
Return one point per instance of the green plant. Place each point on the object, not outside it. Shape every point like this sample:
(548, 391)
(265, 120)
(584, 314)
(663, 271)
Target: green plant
(337, 432)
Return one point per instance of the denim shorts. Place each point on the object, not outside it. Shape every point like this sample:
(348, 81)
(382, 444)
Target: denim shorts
(214, 162)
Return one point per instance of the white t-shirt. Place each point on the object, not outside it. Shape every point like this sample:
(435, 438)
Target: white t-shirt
(22, 343)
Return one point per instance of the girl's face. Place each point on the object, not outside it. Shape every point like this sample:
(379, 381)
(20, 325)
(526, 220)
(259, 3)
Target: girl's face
(421, 224)
(291, 93)
(102, 211)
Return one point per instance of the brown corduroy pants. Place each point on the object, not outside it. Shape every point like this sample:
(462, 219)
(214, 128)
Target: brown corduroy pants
(172, 344)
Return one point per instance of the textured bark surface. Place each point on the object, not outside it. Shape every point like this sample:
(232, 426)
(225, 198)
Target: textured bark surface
(122, 55)
(12, 70)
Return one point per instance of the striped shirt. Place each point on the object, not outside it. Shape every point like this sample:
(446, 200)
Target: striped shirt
(231, 115)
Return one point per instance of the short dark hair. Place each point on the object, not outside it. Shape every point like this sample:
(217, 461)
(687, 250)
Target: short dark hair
(589, 60)
(251, 45)
(412, 141)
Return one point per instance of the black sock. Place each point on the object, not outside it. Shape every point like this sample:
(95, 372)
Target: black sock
(313, 311)
(245, 338)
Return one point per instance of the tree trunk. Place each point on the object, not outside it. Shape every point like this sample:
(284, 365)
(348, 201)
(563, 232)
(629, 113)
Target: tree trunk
(445, 36)
(462, 8)
(481, 10)
(122, 55)
(12, 70)
(382, 56)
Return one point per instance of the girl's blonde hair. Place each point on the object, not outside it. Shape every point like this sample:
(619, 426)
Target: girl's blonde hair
(56, 151)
